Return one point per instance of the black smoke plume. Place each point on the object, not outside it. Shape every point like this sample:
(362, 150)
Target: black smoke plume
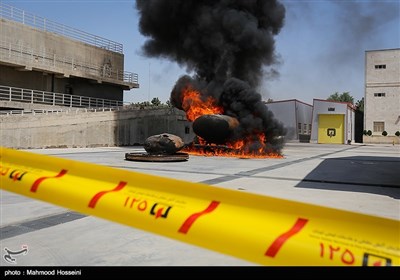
(225, 45)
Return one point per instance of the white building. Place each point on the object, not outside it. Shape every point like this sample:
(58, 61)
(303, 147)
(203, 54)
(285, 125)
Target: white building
(382, 96)
(295, 115)
(333, 122)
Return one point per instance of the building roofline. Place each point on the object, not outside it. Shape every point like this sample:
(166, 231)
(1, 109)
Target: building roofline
(352, 106)
(394, 49)
(287, 100)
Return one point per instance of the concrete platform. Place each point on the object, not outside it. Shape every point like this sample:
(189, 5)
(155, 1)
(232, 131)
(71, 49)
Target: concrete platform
(358, 178)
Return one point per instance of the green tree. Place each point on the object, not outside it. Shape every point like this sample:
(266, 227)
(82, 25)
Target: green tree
(334, 97)
(360, 105)
(144, 103)
(155, 101)
(344, 97)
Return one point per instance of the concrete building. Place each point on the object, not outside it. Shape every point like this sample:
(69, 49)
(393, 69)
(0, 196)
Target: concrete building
(295, 115)
(46, 66)
(333, 122)
(39, 54)
(382, 96)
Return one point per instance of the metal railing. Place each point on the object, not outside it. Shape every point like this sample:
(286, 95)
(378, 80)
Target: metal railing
(15, 14)
(25, 55)
(54, 99)
(47, 112)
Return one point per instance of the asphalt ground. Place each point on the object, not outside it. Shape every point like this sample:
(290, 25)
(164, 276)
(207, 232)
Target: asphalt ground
(358, 178)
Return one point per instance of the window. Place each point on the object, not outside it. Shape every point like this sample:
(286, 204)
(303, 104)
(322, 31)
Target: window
(309, 129)
(305, 129)
(380, 66)
(187, 130)
(379, 126)
(299, 128)
(379, 94)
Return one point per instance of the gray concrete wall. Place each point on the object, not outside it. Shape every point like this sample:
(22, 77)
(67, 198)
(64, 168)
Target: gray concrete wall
(11, 105)
(77, 128)
(50, 45)
(380, 139)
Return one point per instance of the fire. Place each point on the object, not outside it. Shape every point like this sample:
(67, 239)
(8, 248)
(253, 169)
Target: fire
(252, 146)
(237, 149)
(195, 107)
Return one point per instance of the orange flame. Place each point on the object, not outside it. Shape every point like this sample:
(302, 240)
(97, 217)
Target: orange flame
(238, 149)
(195, 107)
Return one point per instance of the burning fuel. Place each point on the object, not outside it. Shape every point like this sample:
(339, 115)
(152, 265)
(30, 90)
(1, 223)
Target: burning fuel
(228, 46)
(241, 124)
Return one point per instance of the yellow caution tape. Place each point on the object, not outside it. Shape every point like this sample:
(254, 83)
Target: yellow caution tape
(260, 229)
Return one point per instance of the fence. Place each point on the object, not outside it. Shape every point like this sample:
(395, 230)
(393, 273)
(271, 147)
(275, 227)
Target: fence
(15, 14)
(54, 99)
(23, 54)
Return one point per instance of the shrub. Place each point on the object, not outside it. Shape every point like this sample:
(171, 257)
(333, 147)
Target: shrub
(369, 132)
(365, 132)
(384, 133)
(397, 133)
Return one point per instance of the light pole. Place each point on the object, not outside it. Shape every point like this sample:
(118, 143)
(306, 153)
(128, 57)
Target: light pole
(149, 84)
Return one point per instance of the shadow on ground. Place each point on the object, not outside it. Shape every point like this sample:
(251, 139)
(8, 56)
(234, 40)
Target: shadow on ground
(367, 174)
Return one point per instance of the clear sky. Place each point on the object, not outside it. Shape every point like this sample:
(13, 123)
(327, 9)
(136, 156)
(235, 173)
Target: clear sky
(321, 47)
